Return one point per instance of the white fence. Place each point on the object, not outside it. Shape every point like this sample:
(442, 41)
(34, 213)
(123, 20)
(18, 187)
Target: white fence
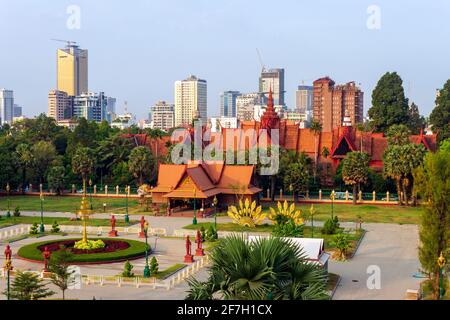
(14, 232)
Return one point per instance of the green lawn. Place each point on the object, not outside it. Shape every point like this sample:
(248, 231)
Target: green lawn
(5, 222)
(266, 228)
(369, 213)
(67, 204)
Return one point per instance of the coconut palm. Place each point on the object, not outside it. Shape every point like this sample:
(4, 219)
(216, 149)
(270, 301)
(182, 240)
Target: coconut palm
(268, 268)
(83, 163)
(316, 128)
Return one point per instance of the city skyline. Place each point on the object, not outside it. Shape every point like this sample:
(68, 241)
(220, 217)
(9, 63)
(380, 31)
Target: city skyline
(120, 64)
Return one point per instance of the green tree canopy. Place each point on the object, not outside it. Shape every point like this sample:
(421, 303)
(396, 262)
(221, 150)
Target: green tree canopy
(389, 104)
(83, 162)
(440, 116)
(355, 170)
(432, 182)
(141, 163)
(398, 134)
(28, 286)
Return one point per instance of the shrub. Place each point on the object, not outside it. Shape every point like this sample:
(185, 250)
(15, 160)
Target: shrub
(331, 226)
(55, 227)
(212, 235)
(342, 243)
(154, 266)
(127, 270)
(288, 229)
(288, 222)
(34, 228)
(203, 233)
(16, 212)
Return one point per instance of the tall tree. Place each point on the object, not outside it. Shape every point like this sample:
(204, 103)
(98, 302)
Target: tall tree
(398, 134)
(440, 116)
(316, 128)
(83, 162)
(432, 183)
(141, 163)
(355, 170)
(43, 153)
(25, 160)
(399, 161)
(56, 178)
(389, 105)
(28, 286)
(61, 275)
(416, 122)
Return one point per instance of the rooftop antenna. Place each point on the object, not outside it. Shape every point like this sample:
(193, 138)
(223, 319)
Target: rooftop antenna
(68, 42)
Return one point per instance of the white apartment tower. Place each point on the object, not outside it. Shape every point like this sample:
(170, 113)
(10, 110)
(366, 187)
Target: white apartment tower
(6, 106)
(163, 116)
(190, 100)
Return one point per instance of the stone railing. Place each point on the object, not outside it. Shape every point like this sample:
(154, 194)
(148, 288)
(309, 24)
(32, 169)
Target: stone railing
(13, 232)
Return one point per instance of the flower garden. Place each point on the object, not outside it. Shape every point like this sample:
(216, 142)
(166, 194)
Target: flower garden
(114, 250)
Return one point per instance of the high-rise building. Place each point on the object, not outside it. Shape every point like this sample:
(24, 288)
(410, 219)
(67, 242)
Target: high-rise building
(190, 100)
(304, 98)
(110, 111)
(162, 115)
(245, 105)
(59, 105)
(72, 70)
(228, 103)
(332, 103)
(17, 111)
(6, 106)
(91, 106)
(272, 79)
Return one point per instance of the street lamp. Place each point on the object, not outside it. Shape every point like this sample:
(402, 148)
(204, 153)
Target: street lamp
(215, 201)
(194, 221)
(147, 268)
(312, 212)
(441, 264)
(127, 218)
(41, 227)
(8, 268)
(90, 192)
(8, 213)
(332, 196)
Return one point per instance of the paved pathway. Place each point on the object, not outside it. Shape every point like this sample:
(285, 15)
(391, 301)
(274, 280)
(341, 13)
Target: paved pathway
(391, 247)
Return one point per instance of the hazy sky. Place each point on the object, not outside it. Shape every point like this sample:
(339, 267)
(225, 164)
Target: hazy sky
(137, 49)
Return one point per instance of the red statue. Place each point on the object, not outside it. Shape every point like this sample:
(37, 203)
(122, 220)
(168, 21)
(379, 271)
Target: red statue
(188, 258)
(142, 222)
(8, 252)
(113, 232)
(199, 252)
(46, 254)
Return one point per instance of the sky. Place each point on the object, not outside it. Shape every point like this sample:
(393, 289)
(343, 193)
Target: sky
(138, 49)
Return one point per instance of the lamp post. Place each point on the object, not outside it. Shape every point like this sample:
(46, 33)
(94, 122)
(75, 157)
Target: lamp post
(215, 212)
(127, 218)
(146, 268)
(8, 268)
(441, 264)
(332, 196)
(194, 221)
(41, 227)
(8, 213)
(90, 193)
(312, 212)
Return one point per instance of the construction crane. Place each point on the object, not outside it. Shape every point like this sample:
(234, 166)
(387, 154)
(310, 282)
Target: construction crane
(68, 42)
(263, 67)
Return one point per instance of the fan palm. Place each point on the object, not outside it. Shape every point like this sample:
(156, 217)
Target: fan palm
(266, 268)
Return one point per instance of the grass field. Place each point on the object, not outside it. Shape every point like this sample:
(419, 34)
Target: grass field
(266, 228)
(67, 204)
(369, 213)
(6, 222)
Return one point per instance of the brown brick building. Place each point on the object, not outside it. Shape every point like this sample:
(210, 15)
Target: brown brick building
(331, 103)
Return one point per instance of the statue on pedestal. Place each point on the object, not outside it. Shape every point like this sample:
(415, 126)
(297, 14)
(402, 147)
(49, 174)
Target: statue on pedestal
(46, 254)
(188, 258)
(8, 254)
(142, 222)
(199, 251)
(113, 232)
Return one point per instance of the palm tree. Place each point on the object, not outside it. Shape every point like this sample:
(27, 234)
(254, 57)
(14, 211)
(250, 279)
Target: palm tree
(316, 128)
(355, 170)
(268, 268)
(25, 158)
(141, 163)
(83, 163)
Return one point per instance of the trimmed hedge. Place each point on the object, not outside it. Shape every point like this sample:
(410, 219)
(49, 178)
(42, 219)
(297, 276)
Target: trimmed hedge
(136, 250)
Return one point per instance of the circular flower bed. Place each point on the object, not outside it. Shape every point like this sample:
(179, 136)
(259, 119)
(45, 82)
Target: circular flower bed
(115, 250)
